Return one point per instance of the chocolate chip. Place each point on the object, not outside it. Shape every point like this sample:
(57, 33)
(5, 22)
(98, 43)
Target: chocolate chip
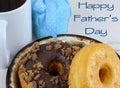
(49, 47)
(31, 73)
(76, 48)
(74, 52)
(68, 52)
(57, 46)
(23, 60)
(68, 58)
(42, 83)
(32, 84)
(34, 56)
(29, 78)
(37, 77)
(54, 80)
(22, 69)
(62, 51)
(28, 56)
(38, 65)
(25, 76)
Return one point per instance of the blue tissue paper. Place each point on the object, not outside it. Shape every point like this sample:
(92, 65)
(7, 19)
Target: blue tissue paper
(50, 17)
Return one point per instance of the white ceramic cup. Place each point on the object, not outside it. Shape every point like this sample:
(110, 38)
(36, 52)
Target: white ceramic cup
(15, 32)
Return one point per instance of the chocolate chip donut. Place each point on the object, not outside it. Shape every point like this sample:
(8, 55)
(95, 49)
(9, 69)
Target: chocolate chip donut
(47, 65)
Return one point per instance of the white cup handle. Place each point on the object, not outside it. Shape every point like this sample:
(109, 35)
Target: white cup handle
(4, 53)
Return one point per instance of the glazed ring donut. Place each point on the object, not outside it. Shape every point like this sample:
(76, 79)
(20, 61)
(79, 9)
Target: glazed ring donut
(95, 66)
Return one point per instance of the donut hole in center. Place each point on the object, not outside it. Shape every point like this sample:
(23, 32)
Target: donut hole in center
(55, 68)
(105, 74)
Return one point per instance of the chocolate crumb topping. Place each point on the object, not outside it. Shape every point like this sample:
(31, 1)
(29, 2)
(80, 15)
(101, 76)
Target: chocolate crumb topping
(37, 77)
(42, 83)
(34, 56)
(47, 65)
(49, 47)
(54, 80)
(32, 84)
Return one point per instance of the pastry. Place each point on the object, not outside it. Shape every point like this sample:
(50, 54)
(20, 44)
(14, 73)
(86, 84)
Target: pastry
(95, 66)
(47, 65)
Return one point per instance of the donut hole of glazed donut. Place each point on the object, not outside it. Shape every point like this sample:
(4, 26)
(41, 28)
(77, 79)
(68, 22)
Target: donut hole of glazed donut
(55, 68)
(105, 74)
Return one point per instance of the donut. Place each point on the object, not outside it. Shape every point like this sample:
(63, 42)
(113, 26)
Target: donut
(95, 66)
(47, 65)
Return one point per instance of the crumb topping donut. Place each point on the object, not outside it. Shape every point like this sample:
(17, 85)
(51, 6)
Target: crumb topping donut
(95, 66)
(47, 65)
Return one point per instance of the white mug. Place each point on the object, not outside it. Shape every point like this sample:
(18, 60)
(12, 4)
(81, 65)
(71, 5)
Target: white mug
(15, 32)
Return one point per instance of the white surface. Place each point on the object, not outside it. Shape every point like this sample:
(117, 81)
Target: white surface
(3, 78)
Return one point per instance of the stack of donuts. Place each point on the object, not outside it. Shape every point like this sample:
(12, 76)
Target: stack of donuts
(63, 65)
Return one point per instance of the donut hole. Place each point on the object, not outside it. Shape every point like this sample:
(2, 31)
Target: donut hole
(55, 68)
(105, 74)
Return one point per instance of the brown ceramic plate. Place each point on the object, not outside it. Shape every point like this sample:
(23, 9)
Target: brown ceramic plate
(12, 77)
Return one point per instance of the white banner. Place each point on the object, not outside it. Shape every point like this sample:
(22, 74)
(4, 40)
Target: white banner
(98, 19)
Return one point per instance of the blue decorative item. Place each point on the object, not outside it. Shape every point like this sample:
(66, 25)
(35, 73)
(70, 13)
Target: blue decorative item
(50, 17)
